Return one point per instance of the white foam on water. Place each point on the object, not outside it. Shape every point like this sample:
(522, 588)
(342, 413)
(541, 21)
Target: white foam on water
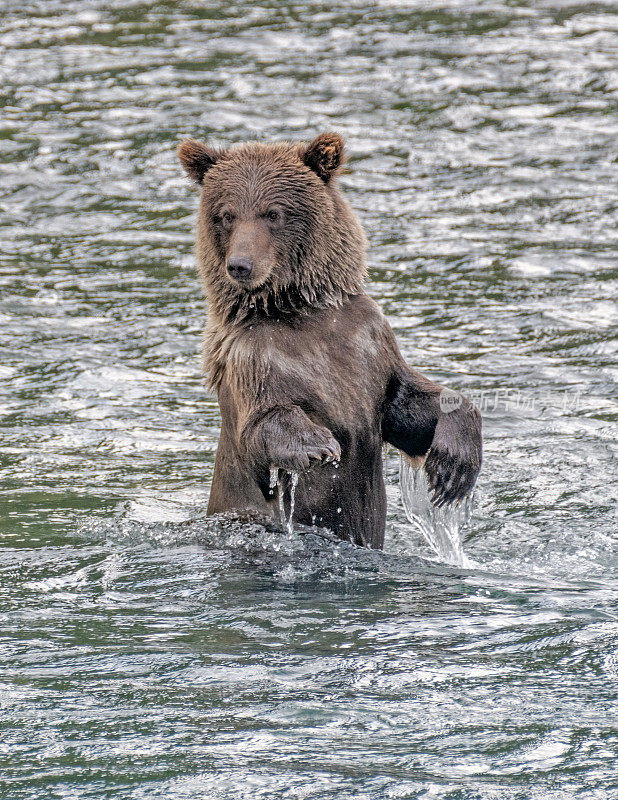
(441, 527)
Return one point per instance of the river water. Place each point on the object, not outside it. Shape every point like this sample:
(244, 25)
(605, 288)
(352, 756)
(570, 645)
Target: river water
(147, 652)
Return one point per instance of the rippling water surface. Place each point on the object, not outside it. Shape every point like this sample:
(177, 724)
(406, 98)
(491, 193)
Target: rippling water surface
(148, 652)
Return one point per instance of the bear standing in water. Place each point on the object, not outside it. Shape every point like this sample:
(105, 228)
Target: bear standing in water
(307, 370)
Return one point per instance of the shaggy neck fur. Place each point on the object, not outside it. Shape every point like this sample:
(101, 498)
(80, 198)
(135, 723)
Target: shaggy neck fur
(273, 301)
(229, 320)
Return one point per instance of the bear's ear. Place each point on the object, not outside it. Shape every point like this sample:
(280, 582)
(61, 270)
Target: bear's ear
(324, 155)
(197, 158)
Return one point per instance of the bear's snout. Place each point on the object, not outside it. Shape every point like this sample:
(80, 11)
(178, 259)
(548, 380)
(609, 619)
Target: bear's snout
(250, 253)
(240, 268)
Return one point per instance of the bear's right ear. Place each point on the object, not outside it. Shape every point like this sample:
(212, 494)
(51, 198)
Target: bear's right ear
(197, 158)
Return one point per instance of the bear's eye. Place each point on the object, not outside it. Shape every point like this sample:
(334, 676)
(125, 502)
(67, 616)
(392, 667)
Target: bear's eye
(227, 217)
(273, 215)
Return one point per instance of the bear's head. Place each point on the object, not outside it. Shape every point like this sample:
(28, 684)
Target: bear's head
(274, 234)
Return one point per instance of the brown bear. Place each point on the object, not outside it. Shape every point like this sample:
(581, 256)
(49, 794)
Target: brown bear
(308, 374)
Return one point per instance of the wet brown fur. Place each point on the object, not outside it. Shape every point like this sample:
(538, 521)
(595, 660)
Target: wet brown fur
(305, 365)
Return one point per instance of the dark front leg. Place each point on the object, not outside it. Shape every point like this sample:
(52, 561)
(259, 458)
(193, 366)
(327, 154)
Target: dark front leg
(285, 437)
(448, 440)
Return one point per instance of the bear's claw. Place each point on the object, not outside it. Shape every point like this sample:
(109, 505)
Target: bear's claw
(454, 459)
(314, 445)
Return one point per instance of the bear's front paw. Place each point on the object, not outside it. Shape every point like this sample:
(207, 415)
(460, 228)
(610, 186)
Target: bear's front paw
(454, 459)
(313, 445)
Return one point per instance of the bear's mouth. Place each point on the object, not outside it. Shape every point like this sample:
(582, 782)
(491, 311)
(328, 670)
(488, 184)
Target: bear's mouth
(248, 285)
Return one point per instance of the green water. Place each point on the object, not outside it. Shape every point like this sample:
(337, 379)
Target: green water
(147, 652)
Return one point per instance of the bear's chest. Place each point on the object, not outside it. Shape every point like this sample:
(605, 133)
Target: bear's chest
(336, 373)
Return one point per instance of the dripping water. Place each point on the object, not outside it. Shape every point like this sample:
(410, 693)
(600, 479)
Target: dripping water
(278, 482)
(441, 527)
(293, 485)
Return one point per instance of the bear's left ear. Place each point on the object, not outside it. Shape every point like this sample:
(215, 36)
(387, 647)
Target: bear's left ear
(197, 158)
(324, 155)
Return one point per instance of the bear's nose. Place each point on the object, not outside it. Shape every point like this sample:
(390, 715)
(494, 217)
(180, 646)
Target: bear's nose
(239, 268)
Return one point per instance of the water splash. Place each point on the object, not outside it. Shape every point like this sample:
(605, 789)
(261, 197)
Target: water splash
(440, 527)
(278, 482)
